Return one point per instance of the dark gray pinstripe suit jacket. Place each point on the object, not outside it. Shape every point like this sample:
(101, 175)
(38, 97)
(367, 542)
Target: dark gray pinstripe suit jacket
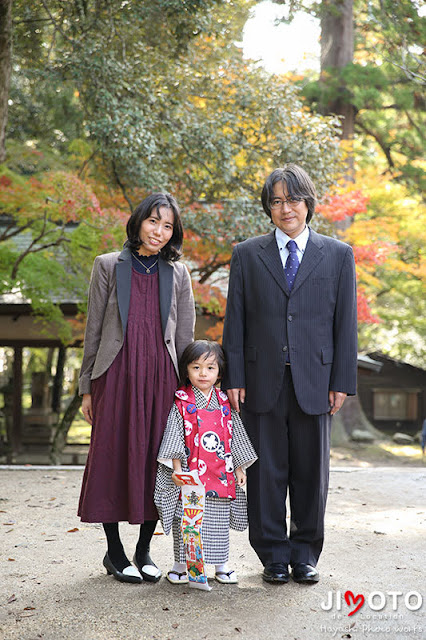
(316, 323)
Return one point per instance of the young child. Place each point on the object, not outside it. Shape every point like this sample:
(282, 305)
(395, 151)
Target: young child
(219, 448)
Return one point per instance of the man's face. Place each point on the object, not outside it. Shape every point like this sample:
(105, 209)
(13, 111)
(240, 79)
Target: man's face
(290, 218)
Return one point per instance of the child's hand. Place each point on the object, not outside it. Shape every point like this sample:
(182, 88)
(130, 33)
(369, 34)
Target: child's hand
(178, 482)
(241, 477)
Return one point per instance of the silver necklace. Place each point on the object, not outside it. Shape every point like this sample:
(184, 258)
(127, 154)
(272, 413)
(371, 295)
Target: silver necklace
(147, 269)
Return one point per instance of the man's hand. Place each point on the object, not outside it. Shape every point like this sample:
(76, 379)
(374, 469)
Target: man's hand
(236, 396)
(336, 399)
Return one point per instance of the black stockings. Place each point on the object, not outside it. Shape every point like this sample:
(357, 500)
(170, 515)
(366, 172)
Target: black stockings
(115, 548)
(142, 547)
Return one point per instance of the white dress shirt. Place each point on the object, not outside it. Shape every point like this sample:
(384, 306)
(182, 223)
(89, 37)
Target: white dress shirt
(301, 242)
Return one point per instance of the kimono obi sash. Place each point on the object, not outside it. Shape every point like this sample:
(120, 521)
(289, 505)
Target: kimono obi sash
(208, 437)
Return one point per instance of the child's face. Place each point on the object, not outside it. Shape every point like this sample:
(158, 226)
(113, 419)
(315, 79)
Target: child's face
(204, 372)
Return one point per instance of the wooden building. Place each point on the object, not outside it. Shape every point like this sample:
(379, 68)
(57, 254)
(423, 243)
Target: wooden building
(19, 328)
(392, 394)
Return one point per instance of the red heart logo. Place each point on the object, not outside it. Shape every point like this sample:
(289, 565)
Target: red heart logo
(351, 599)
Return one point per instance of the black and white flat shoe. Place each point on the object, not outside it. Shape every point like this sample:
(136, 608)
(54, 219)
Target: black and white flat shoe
(129, 574)
(149, 571)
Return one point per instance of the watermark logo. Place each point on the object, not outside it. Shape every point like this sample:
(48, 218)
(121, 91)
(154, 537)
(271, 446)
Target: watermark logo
(376, 601)
(350, 598)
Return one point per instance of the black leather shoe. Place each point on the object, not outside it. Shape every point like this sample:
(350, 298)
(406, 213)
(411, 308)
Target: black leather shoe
(149, 571)
(129, 574)
(276, 573)
(305, 573)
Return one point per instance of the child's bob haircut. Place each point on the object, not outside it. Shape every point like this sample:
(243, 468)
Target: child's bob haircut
(194, 351)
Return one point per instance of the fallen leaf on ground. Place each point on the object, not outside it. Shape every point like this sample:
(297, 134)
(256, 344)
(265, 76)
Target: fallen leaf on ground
(72, 530)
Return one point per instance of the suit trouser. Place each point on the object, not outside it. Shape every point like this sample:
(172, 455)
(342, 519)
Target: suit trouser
(294, 451)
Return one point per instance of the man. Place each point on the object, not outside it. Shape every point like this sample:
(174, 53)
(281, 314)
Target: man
(290, 338)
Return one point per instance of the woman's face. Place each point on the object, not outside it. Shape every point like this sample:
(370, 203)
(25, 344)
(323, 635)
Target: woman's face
(156, 231)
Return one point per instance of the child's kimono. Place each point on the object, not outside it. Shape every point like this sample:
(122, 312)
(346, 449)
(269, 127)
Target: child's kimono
(214, 441)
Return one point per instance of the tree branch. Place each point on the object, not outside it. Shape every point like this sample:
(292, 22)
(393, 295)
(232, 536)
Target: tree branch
(33, 249)
(86, 162)
(386, 148)
(121, 185)
(6, 236)
(56, 25)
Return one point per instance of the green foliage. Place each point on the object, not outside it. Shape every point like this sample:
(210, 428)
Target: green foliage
(113, 99)
(163, 95)
(385, 84)
(51, 230)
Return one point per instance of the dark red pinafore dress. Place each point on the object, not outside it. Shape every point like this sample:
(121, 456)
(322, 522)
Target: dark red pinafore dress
(130, 403)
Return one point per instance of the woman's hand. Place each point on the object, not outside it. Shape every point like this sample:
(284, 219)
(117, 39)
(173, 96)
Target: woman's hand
(86, 407)
(241, 477)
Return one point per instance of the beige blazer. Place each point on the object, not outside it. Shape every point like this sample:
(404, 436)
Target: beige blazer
(108, 307)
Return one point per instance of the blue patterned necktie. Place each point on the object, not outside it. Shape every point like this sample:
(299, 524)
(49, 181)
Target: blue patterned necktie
(292, 263)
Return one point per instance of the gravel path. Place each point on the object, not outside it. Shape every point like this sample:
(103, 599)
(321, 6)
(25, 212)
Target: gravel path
(53, 585)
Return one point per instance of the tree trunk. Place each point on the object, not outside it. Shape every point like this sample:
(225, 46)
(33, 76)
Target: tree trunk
(60, 437)
(337, 50)
(58, 381)
(5, 68)
(17, 401)
(350, 417)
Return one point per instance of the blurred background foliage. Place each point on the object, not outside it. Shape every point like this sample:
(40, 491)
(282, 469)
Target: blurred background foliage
(111, 99)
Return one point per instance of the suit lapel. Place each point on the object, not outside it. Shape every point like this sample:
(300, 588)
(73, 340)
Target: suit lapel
(312, 256)
(270, 256)
(123, 272)
(165, 275)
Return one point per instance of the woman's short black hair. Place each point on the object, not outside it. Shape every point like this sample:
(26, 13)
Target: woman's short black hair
(299, 185)
(151, 204)
(194, 351)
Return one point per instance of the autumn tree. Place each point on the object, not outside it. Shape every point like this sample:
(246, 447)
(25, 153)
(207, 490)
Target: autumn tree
(380, 90)
(388, 238)
(51, 230)
(142, 96)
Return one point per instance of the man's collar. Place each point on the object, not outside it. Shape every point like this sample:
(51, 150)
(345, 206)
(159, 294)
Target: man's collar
(301, 240)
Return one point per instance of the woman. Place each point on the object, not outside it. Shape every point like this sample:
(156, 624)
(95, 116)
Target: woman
(140, 318)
